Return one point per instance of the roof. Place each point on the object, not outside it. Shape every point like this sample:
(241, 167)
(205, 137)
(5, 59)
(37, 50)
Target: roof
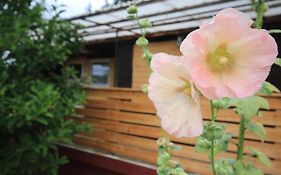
(165, 15)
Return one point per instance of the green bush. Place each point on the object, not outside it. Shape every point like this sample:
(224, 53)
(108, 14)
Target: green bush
(37, 90)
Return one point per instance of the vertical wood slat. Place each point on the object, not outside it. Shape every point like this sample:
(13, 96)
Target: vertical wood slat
(124, 119)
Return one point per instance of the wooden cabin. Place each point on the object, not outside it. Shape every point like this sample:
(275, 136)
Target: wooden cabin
(125, 126)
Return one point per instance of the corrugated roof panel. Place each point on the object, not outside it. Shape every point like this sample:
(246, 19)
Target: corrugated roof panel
(103, 18)
(167, 15)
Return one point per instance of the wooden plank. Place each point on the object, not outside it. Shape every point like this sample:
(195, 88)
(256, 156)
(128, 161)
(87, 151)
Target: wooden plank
(116, 113)
(273, 134)
(138, 118)
(124, 105)
(136, 154)
(269, 118)
(187, 151)
(272, 150)
(272, 118)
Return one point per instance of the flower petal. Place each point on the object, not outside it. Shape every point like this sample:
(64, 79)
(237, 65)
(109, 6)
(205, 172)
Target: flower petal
(183, 118)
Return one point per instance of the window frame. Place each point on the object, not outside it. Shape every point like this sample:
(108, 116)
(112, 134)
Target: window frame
(110, 77)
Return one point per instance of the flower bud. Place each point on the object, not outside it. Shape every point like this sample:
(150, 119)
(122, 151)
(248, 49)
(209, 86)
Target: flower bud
(132, 9)
(162, 141)
(202, 145)
(173, 163)
(145, 23)
(142, 41)
(218, 132)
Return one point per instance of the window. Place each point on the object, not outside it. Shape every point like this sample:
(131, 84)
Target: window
(78, 69)
(100, 74)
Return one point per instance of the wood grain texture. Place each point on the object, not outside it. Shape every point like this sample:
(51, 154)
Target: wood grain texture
(125, 124)
(140, 68)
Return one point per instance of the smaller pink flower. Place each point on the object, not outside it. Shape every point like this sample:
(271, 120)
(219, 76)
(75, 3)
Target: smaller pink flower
(228, 58)
(174, 96)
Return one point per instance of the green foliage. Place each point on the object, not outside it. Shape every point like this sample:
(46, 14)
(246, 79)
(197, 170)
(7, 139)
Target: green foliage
(256, 128)
(166, 164)
(37, 90)
(268, 88)
(142, 41)
(278, 61)
(250, 106)
(260, 156)
(274, 31)
(143, 24)
(223, 103)
(246, 169)
(213, 132)
(132, 9)
(225, 167)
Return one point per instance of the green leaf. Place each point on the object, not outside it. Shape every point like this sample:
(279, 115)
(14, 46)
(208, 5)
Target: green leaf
(163, 158)
(278, 61)
(246, 169)
(274, 31)
(261, 156)
(249, 106)
(268, 88)
(225, 167)
(221, 103)
(256, 128)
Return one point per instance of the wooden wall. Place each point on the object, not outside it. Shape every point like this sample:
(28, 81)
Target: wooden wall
(125, 125)
(140, 68)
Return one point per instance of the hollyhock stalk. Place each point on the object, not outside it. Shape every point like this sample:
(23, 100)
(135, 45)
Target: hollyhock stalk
(260, 9)
(213, 119)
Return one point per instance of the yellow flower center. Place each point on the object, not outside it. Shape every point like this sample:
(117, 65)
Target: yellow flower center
(219, 60)
(186, 88)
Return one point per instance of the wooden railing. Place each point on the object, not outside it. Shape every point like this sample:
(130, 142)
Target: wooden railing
(124, 124)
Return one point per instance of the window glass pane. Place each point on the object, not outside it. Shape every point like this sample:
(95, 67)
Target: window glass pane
(77, 68)
(100, 74)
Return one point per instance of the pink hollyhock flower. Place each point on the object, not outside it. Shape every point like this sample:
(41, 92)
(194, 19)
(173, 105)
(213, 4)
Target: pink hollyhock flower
(174, 96)
(228, 58)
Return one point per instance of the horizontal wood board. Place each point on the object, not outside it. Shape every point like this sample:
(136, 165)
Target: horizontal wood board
(125, 124)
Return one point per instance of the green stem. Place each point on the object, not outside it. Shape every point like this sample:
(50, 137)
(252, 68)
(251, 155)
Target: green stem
(213, 119)
(213, 157)
(241, 139)
(260, 8)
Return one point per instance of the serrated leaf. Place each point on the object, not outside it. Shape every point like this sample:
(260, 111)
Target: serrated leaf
(249, 106)
(260, 156)
(256, 128)
(278, 61)
(163, 158)
(268, 88)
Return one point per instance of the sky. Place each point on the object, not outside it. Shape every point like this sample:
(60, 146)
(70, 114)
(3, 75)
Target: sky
(77, 7)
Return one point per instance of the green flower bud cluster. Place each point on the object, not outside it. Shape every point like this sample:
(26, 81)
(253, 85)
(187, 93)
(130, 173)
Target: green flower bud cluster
(213, 132)
(225, 167)
(143, 24)
(166, 164)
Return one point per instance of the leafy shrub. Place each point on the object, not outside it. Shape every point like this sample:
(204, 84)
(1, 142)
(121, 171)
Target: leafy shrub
(37, 90)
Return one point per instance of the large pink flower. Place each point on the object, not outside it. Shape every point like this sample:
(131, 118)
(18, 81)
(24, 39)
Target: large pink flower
(174, 96)
(228, 58)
